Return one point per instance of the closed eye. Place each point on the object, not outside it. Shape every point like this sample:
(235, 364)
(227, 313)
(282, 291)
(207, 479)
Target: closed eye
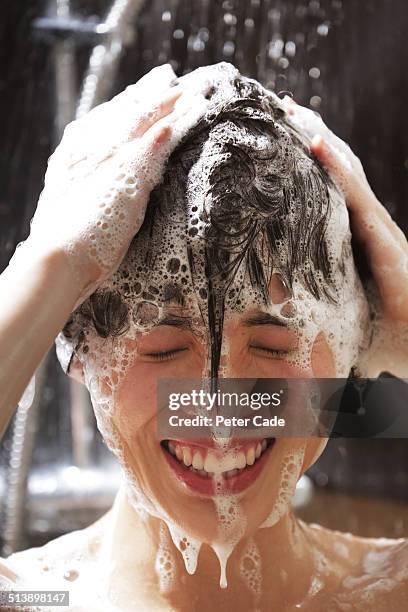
(272, 352)
(163, 355)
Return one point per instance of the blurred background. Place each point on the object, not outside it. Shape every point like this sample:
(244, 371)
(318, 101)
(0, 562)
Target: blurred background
(345, 59)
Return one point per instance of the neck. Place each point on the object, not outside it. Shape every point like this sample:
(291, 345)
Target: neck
(274, 564)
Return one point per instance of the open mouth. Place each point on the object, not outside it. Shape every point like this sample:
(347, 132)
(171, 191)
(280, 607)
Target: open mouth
(208, 470)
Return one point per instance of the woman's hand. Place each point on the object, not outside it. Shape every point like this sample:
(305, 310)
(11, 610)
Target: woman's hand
(100, 177)
(371, 224)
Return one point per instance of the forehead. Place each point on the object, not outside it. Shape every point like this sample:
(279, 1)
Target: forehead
(155, 299)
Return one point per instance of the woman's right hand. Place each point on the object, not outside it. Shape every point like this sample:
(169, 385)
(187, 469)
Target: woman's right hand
(100, 177)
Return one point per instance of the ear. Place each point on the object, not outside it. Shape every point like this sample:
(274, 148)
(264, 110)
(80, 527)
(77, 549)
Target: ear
(76, 370)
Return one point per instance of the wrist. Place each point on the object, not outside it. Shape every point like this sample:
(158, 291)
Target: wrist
(51, 262)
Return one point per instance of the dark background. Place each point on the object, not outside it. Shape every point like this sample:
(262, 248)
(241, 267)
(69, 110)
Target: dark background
(348, 60)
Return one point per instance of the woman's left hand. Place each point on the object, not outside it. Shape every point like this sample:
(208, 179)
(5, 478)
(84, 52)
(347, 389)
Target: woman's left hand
(372, 226)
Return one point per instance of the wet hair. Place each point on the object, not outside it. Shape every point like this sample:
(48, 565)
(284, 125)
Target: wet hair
(270, 206)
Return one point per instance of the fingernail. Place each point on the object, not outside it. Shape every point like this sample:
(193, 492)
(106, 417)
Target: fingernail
(163, 135)
(317, 140)
(173, 93)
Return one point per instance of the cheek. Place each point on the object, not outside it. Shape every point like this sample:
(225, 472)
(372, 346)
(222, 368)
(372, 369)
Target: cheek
(323, 364)
(314, 448)
(274, 368)
(136, 401)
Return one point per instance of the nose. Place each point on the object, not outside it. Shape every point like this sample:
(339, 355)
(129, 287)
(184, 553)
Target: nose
(231, 363)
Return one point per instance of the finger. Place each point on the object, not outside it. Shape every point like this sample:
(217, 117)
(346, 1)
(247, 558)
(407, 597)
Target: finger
(156, 111)
(101, 134)
(159, 106)
(359, 197)
(180, 119)
(289, 105)
(145, 157)
(306, 120)
(187, 111)
(373, 227)
(334, 161)
(150, 87)
(341, 170)
(361, 200)
(311, 123)
(160, 137)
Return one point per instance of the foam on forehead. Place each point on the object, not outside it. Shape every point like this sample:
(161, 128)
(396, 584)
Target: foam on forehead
(241, 199)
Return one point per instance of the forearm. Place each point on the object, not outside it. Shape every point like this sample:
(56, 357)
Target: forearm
(37, 295)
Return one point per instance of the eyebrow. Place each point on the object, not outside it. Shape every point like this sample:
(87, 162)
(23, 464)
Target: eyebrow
(176, 321)
(173, 294)
(260, 318)
(263, 318)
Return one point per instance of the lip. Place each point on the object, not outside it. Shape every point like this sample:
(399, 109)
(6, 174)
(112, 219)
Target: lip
(206, 486)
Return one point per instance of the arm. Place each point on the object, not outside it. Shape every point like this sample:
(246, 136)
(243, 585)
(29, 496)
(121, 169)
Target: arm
(35, 302)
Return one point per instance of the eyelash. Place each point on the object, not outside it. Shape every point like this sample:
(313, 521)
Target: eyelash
(164, 355)
(274, 352)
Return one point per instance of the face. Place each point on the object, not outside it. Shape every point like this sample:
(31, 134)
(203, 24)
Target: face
(255, 344)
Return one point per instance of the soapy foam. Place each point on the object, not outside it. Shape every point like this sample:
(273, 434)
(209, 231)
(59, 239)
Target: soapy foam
(165, 563)
(291, 465)
(187, 545)
(231, 526)
(251, 569)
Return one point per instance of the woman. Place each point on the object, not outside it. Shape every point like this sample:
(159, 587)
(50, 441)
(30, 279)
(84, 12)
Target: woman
(241, 268)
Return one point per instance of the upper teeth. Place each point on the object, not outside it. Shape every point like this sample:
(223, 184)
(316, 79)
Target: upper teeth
(213, 463)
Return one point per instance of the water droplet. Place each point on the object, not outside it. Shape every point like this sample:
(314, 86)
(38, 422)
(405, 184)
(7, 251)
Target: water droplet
(323, 29)
(275, 48)
(283, 63)
(230, 19)
(315, 101)
(314, 73)
(290, 48)
(229, 48)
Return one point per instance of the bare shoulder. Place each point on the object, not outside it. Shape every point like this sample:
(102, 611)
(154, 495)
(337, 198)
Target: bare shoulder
(62, 558)
(373, 574)
(382, 579)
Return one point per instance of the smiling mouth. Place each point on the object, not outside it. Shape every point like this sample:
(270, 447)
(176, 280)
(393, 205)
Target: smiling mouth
(199, 467)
